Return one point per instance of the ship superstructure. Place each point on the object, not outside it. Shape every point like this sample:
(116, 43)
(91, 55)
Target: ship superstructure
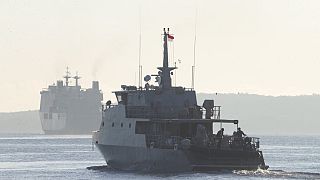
(161, 128)
(69, 109)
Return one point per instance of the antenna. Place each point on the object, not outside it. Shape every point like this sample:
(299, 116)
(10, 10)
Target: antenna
(175, 75)
(140, 66)
(67, 76)
(194, 49)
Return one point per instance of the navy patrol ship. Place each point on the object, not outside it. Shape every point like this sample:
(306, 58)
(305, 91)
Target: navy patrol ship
(69, 109)
(162, 129)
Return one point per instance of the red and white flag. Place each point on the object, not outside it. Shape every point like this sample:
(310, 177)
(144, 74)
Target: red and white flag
(170, 38)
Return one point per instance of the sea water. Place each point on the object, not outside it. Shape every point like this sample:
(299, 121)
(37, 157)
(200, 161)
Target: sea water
(73, 157)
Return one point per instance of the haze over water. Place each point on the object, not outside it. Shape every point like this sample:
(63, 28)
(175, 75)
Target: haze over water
(267, 47)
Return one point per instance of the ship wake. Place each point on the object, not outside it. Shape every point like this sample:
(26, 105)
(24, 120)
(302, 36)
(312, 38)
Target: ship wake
(260, 173)
(100, 168)
(278, 174)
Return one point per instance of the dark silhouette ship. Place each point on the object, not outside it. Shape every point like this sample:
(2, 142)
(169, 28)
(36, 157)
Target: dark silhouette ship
(162, 129)
(67, 109)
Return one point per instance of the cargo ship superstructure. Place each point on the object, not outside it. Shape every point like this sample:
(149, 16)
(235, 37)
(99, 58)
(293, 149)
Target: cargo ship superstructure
(160, 128)
(69, 109)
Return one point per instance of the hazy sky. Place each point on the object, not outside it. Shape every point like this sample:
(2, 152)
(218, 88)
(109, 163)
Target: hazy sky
(269, 47)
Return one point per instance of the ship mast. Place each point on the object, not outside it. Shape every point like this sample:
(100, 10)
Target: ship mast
(67, 76)
(165, 82)
(77, 78)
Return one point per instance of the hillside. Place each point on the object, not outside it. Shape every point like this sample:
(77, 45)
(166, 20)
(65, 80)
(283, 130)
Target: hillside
(283, 115)
(20, 122)
(270, 115)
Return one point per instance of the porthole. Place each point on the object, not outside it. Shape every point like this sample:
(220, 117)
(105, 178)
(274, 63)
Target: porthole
(113, 124)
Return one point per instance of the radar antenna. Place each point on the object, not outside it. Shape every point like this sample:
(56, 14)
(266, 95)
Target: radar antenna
(67, 76)
(77, 78)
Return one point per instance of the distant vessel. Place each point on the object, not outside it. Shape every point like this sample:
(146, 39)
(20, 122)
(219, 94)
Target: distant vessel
(162, 129)
(66, 109)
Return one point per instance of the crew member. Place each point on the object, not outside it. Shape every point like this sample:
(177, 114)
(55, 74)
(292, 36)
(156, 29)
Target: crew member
(219, 136)
(220, 133)
(240, 133)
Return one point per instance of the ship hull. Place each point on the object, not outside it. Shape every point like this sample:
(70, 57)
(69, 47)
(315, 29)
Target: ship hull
(169, 160)
(61, 124)
(144, 159)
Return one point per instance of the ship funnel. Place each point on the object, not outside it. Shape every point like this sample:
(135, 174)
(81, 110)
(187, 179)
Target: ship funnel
(59, 84)
(95, 85)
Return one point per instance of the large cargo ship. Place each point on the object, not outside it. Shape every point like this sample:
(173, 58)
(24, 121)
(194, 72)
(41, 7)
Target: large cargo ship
(69, 109)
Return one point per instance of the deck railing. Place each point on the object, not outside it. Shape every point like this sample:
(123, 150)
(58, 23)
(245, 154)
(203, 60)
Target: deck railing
(213, 142)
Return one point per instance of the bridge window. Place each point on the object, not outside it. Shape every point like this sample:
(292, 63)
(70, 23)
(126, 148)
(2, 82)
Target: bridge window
(141, 127)
(122, 98)
(119, 98)
(113, 124)
(121, 124)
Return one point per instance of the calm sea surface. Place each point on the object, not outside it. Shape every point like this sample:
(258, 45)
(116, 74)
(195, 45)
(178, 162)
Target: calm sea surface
(67, 157)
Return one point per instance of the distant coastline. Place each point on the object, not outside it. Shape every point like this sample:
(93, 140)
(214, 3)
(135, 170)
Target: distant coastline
(271, 115)
(258, 114)
(22, 122)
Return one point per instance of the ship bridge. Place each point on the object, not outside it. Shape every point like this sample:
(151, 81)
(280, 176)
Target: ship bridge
(162, 101)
